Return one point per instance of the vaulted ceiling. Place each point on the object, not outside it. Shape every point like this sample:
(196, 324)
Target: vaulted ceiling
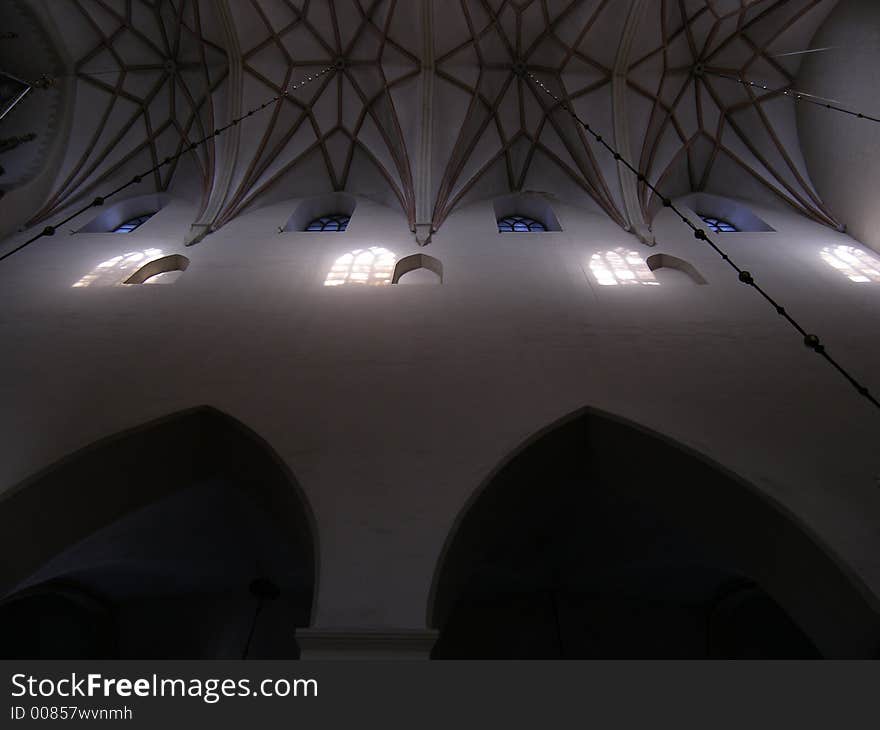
(148, 74)
(352, 128)
(693, 131)
(427, 104)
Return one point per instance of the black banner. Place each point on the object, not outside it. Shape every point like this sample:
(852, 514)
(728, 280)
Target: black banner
(441, 694)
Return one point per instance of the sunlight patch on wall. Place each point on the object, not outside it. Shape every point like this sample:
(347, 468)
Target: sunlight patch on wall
(372, 266)
(853, 263)
(114, 271)
(621, 267)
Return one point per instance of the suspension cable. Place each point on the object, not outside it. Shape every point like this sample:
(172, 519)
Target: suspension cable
(810, 340)
(796, 95)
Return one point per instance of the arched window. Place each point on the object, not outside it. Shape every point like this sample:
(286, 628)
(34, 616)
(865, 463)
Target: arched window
(719, 225)
(127, 215)
(724, 215)
(330, 212)
(336, 222)
(132, 223)
(621, 267)
(368, 266)
(520, 224)
(112, 271)
(853, 263)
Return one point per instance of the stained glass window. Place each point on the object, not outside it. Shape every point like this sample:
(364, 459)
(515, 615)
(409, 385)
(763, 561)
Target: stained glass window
(719, 225)
(519, 224)
(132, 223)
(336, 222)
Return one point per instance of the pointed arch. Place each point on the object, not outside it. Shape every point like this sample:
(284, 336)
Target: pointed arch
(118, 493)
(593, 499)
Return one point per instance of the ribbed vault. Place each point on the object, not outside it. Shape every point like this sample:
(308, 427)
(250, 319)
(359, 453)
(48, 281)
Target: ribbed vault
(507, 122)
(148, 73)
(345, 131)
(427, 105)
(703, 131)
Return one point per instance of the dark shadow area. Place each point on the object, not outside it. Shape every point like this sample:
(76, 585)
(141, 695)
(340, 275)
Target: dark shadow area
(600, 540)
(147, 545)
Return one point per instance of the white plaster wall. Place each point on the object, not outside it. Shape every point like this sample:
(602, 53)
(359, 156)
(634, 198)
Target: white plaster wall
(843, 152)
(392, 404)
